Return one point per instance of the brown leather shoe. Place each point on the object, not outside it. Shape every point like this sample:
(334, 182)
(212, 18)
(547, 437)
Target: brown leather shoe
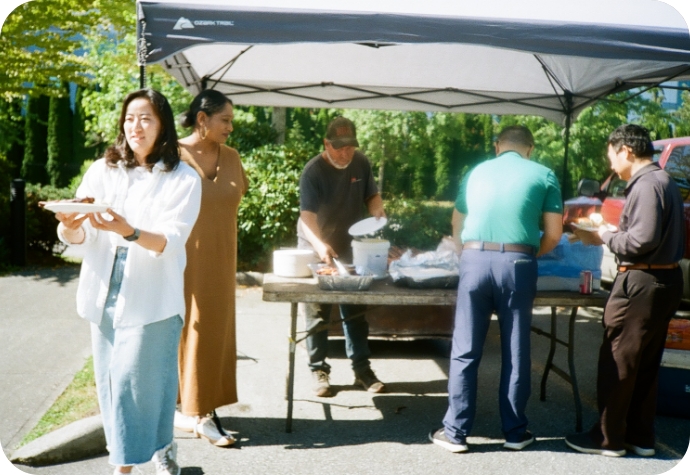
(368, 380)
(322, 386)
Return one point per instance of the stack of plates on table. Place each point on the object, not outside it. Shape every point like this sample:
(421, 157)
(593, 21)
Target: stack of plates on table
(293, 262)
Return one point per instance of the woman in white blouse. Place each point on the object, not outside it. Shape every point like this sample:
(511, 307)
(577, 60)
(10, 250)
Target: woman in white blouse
(131, 280)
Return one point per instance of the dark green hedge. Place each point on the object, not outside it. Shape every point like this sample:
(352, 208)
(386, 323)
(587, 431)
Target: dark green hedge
(267, 216)
(269, 211)
(417, 224)
(41, 225)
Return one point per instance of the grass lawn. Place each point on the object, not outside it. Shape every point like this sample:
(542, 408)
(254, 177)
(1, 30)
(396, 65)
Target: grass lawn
(79, 400)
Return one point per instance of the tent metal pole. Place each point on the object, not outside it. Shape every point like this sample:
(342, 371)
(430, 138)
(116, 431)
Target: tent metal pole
(142, 50)
(568, 116)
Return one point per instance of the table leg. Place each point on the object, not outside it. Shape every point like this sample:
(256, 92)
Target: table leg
(570, 376)
(549, 359)
(571, 366)
(291, 367)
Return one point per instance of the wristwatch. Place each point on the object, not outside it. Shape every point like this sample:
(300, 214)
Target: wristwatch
(134, 236)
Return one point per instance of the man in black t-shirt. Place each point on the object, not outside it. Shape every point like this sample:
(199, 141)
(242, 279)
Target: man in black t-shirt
(336, 187)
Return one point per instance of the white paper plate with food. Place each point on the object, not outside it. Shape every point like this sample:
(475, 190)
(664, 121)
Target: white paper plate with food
(75, 207)
(585, 227)
(592, 228)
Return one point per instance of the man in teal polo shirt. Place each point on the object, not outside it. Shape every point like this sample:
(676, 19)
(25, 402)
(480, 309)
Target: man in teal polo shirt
(497, 217)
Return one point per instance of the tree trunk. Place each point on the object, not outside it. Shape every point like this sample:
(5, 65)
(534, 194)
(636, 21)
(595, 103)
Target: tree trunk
(278, 120)
(381, 167)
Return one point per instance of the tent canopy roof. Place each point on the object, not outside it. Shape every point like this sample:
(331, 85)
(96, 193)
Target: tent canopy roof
(543, 57)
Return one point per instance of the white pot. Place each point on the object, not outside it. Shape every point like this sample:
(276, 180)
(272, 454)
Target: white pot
(293, 262)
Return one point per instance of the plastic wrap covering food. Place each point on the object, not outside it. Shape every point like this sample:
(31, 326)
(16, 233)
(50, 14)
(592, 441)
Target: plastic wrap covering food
(329, 278)
(433, 269)
(560, 269)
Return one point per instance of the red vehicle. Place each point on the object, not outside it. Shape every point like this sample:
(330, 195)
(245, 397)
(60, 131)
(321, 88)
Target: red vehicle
(673, 156)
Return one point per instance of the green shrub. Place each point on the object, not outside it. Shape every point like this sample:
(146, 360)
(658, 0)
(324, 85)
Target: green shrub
(417, 224)
(61, 165)
(249, 131)
(267, 215)
(76, 181)
(35, 140)
(269, 211)
(5, 180)
(41, 225)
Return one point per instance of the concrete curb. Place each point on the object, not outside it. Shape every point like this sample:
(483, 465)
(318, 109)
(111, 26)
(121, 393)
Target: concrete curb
(76, 441)
(250, 278)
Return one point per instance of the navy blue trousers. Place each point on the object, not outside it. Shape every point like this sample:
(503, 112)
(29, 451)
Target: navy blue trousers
(504, 283)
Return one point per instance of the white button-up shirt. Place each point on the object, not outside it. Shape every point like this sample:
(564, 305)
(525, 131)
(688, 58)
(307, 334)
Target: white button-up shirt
(152, 286)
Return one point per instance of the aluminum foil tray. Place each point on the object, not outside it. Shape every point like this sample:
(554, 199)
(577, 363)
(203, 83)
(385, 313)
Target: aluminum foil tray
(449, 282)
(345, 283)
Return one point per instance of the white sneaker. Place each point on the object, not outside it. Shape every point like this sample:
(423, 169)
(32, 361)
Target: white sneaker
(165, 460)
(184, 423)
(206, 428)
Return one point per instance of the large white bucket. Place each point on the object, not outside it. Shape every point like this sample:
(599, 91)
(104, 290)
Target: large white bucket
(372, 254)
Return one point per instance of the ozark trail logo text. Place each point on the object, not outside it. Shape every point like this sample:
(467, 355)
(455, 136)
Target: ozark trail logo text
(185, 24)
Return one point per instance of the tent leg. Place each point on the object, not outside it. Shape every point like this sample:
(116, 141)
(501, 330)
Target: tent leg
(566, 176)
(142, 76)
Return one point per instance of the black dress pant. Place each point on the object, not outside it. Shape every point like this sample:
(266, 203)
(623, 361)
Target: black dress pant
(636, 320)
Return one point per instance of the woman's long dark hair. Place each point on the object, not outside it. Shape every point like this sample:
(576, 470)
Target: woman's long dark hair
(165, 147)
(208, 101)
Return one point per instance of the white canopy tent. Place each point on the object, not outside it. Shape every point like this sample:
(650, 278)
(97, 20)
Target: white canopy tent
(543, 57)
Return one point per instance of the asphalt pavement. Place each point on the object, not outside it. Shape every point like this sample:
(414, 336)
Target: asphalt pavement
(43, 343)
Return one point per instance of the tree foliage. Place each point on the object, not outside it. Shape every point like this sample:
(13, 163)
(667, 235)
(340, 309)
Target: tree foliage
(41, 43)
(422, 155)
(12, 133)
(682, 116)
(116, 74)
(61, 165)
(589, 134)
(251, 129)
(35, 140)
(268, 213)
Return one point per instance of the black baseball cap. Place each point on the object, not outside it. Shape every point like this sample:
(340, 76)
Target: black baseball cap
(341, 132)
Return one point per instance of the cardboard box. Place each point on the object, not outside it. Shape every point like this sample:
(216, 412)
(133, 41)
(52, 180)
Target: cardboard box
(674, 384)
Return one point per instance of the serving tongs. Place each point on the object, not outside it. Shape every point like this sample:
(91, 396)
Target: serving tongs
(342, 270)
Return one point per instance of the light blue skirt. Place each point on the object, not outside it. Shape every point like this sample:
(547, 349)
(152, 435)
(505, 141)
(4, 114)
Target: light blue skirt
(136, 379)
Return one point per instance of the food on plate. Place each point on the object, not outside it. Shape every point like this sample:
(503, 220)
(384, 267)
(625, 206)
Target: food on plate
(596, 219)
(593, 221)
(327, 271)
(86, 199)
(584, 222)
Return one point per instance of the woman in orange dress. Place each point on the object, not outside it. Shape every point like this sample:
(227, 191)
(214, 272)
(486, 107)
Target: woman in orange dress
(208, 355)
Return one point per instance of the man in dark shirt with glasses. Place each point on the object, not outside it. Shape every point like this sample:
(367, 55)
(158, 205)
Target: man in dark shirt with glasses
(645, 295)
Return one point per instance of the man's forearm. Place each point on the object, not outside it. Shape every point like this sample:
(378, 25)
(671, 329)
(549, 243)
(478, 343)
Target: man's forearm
(310, 228)
(457, 222)
(553, 230)
(375, 206)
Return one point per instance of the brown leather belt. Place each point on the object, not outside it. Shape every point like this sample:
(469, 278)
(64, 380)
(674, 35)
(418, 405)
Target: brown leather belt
(497, 246)
(647, 267)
